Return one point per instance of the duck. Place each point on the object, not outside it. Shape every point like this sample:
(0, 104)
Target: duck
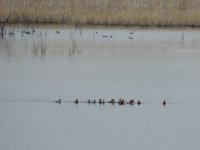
(164, 102)
(94, 102)
(58, 101)
(131, 102)
(76, 101)
(100, 101)
(112, 101)
(139, 102)
(104, 36)
(130, 37)
(121, 102)
(103, 101)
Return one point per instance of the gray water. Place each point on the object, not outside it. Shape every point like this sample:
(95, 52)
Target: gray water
(157, 64)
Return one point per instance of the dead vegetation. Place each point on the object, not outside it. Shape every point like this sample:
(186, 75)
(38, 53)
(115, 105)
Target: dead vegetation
(39, 49)
(102, 12)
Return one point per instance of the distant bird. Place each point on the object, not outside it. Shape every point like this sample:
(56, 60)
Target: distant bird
(58, 101)
(103, 101)
(121, 101)
(130, 37)
(25, 32)
(131, 32)
(164, 102)
(139, 102)
(94, 101)
(100, 101)
(112, 101)
(131, 102)
(89, 101)
(76, 101)
(28, 32)
(104, 36)
(57, 31)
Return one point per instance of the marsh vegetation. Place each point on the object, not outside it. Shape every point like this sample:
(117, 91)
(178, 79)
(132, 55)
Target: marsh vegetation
(102, 12)
(39, 49)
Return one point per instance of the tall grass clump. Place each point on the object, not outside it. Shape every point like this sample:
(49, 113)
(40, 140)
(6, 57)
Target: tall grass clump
(39, 49)
(102, 12)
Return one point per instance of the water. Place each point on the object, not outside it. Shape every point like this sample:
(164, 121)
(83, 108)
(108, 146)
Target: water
(156, 65)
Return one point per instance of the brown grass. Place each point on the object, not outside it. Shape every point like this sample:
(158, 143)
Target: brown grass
(102, 12)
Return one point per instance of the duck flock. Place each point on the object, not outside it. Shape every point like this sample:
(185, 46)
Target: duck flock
(112, 101)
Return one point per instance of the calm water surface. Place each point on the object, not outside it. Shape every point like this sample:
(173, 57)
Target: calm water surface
(150, 65)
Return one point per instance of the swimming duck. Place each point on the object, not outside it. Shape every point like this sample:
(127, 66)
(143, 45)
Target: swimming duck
(131, 102)
(164, 102)
(100, 101)
(94, 102)
(103, 101)
(104, 36)
(130, 37)
(112, 101)
(76, 101)
(139, 102)
(121, 102)
(58, 101)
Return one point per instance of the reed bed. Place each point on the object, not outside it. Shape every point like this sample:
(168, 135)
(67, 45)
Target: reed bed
(102, 12)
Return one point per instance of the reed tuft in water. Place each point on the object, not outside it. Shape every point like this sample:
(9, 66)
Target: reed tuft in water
(39, 49)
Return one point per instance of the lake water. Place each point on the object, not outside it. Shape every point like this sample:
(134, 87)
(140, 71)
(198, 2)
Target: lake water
(149, 64)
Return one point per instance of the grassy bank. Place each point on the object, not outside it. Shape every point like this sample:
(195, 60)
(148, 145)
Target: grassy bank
(102, 12)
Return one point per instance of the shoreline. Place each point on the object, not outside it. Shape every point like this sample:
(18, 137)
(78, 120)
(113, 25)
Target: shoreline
(3, 24)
